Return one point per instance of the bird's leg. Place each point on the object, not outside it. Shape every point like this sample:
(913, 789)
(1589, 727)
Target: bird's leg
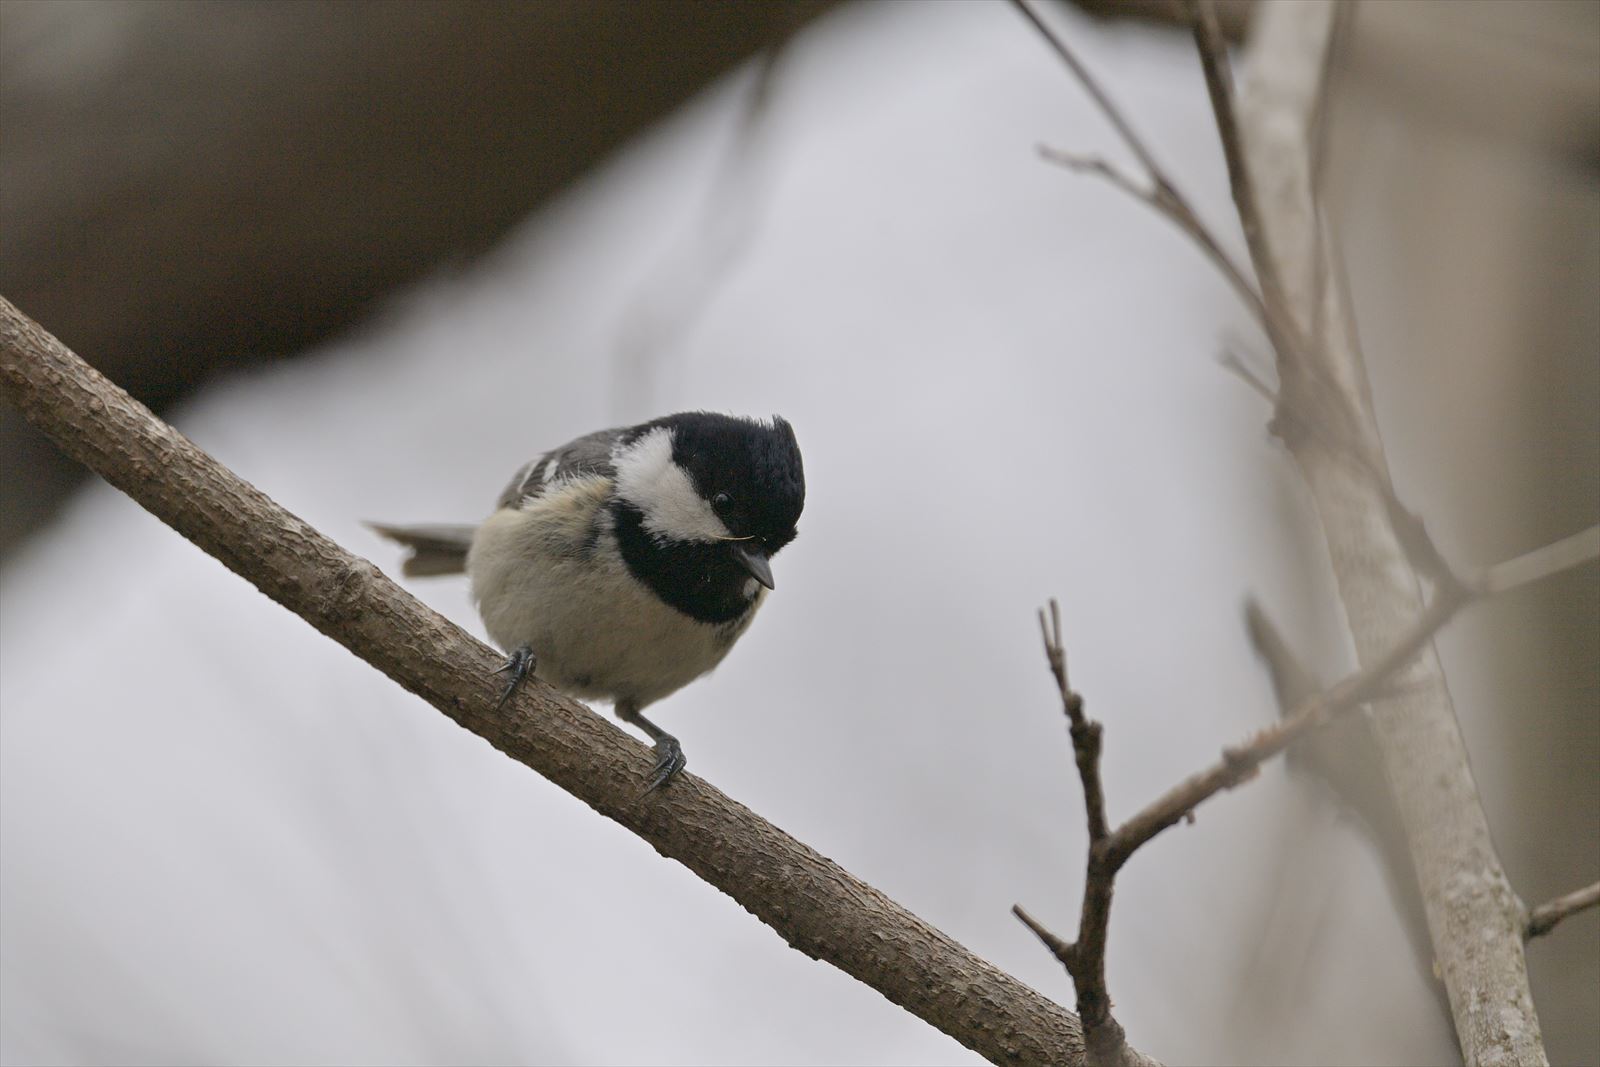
(519, 666)
(669, 754)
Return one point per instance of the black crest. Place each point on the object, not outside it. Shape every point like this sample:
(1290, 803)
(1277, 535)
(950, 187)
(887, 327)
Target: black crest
(755, 465)
(751, 473)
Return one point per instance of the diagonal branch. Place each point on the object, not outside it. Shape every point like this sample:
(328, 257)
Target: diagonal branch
(1101, 99)
(1279, 322)
(1109, 851)
(1540, 563)
(1378, 550)
(812, 903)
(1544, 918)
(1165, 200)
(1163, 196)
(1240, 763)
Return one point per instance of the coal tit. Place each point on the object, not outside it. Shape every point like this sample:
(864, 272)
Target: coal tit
(625, 564)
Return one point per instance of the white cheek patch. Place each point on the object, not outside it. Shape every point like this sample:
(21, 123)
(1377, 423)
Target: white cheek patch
(649, 480)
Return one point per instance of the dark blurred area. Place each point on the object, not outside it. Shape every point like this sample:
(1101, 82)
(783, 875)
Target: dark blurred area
(191, 186)
(187, 186)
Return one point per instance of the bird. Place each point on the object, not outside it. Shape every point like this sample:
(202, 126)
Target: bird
(627, 563)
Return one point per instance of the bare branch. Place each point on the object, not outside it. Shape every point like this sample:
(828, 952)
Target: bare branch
(1241, 763)
(1553, 558)
(1112, 113)
(1292, 681)
(812, 903)
(1100, 168)
(1163, 194)
(1234, 364)
(1061, 950)
(1105, 1043)
(1276, 317)
(1086, 735)
(1375, 545)
(1544, 918)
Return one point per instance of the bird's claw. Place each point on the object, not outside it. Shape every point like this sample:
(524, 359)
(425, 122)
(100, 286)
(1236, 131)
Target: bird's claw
(520, 664)
(669, 762)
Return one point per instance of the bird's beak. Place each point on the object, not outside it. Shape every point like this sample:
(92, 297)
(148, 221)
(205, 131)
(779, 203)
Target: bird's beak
(755, 561)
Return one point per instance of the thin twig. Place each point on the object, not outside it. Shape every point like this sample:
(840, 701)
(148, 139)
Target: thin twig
(1234, 364)
(1110, 110)
(1276, 314)
(1084, 958)
(1102, 168)
(1061, 950)
(1164, 200)
(1544, 918)
(1529, 567)
(1303, 378)
(1241, 763)
(1163, 194)
(1105, 1043)
(1086, 734)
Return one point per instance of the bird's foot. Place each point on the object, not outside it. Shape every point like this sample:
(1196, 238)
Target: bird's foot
(519, 666)
(669, 762)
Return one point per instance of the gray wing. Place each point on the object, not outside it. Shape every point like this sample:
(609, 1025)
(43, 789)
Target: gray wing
(587, 455)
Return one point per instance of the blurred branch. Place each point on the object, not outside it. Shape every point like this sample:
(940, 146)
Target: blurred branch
(1109, 850)
(1540, 563)
(1234, 15)
(1544, 918)
(812, 903)
(1376, 545)
(1343, 757)
(1306, 710)
(1163, 194)
(1240, 763)
(1292, 680)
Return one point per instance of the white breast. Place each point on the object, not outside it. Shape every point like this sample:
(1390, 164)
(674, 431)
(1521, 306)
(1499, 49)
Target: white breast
(550, 577)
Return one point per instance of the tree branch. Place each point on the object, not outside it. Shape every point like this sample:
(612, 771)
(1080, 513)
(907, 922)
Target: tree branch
(1276, 316)
(1324, 415)
(1109, 851)
(812, 903)
(1240, 763)
(1554, 558)
(1544, 918)
(1104, 1041)
(1163, 196)
(1474, 917)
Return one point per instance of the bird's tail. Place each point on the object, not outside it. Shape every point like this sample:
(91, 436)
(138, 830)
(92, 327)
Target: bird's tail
(436, 548)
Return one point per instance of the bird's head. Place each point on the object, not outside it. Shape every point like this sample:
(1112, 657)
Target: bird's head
(732, 486)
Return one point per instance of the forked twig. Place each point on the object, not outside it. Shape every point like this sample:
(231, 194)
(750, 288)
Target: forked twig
(1109, 850)
(1163, 194)
(1105, 1043)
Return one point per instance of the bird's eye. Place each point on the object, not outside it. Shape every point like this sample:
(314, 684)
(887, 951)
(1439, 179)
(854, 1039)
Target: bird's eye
(721, 501)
